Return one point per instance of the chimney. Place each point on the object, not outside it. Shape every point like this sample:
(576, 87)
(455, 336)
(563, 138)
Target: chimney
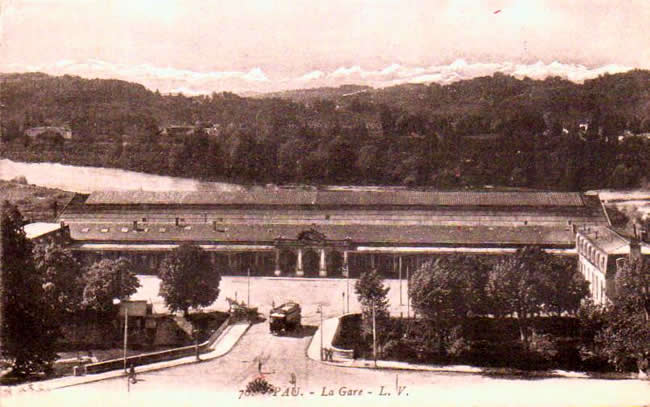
(644, 232)
(635, 250)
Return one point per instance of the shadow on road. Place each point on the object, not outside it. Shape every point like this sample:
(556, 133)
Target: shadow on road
(302, 332)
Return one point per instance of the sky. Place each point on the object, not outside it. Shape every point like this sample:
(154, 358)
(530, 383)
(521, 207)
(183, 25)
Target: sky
(204, 46)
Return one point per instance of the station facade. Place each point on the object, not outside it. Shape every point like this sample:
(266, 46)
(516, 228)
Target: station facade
(333, 233)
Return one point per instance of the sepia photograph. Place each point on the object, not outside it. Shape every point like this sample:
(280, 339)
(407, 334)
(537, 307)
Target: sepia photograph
(342, 202)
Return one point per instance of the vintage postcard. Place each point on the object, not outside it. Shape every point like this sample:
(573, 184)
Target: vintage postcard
(359, 202)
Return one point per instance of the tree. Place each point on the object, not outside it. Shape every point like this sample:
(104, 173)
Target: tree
(625, 338)
(439, 293)
(188, 279)
(516, 285)
(27, 333)
(106, 280)
(368, 163)
(62, 276)
(565, 288)
(371, 291)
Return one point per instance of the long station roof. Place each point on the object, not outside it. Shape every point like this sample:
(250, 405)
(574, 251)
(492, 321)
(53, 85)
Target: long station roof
(339, 198)
(361, 234)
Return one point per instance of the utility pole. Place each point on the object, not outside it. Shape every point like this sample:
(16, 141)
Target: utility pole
(196, 343)
(126, 331)
(400, 281)
(374, 334)
(408, 297)
(249, 287)
(320, 311)
(347, 282)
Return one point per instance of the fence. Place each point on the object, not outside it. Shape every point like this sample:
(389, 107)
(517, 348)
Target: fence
(147, 358)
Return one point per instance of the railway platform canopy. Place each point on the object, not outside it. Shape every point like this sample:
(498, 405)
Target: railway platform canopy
(324, 232)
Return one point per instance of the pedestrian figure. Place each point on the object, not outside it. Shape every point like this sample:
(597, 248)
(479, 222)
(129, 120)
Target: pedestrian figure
(259, 366)
(132, 377)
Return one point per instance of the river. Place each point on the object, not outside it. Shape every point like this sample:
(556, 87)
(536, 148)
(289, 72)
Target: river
(87, 179)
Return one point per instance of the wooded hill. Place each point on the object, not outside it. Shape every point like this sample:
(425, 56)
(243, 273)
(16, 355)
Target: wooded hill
(495, 130)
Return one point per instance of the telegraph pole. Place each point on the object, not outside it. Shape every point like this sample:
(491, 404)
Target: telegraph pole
(408, 297)
(374, 334)
(400, 281)
(249, 287)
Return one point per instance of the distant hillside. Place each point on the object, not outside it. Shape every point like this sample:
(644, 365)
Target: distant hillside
(311, 95)
(111, 107)
(495, 130)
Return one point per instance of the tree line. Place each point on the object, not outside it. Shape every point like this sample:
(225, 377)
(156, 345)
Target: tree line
(42, 287)
(450, 293)
(494, 130)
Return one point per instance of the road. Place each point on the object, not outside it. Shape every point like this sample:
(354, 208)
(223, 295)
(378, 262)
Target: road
(219, 381)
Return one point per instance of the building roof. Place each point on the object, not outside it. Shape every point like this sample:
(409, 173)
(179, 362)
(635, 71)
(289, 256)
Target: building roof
(339, 198)
(365, 234)
(606, 239)
(609, 241)
(34, 230)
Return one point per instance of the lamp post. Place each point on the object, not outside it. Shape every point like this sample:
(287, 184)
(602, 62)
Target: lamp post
(347, 286)
(117, 301)
(320, 311)
(374, 334)
(195, 333)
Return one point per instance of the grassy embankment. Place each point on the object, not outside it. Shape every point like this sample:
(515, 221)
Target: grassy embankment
(35, 203)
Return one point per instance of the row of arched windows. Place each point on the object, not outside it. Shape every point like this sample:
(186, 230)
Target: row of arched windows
(595, 256)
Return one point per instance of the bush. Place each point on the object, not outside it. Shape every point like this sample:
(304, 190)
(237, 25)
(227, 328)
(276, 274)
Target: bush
(543, 346)
(259, 386)
(458, 345)
(21, 179)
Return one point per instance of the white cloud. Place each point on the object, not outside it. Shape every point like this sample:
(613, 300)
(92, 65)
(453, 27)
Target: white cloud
(174, 80)
(460, 69)
(310, 76)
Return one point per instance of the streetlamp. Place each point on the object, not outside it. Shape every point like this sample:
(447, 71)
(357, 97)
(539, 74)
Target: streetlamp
(374, 333)
(117, 301)
(195, 333)
(320, 311)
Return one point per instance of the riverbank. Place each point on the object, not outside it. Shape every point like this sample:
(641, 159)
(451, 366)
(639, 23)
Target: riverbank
(87, 179)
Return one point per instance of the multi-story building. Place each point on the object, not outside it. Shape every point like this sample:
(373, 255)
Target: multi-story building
(600, 250)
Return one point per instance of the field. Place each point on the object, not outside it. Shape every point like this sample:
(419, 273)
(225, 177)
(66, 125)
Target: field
(34, 202)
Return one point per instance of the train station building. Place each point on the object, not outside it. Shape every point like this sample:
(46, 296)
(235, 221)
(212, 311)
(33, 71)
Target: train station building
(335, 233)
